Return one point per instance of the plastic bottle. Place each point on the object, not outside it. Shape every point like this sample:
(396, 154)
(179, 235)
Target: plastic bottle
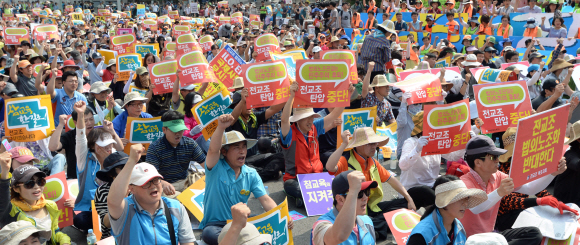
(381, 158)
(267, 191)
(91, 238)
(497, 142)
(394, 160)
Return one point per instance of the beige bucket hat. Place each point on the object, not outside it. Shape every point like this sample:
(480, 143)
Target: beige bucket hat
(365, 136)
(301, 113)
(453, 191)
(382, 80)
(234, 136)
(238, 83)
(133, 96)
(574, 133)
(509, 138)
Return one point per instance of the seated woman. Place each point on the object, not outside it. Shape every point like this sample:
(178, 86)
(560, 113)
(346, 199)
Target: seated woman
(23, 232)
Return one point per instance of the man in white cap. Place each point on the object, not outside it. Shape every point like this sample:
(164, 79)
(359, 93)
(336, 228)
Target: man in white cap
(299, 140)
(316, 52)
(145, 203)
(468, 78)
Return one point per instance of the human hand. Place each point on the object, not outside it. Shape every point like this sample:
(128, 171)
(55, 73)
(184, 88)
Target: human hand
(371, 65)
(62, 120)
(406, 96)
(225, 121)
(111, 102)
(80, 107)
(444, 94)
(135, 151)
(5, 161)
(124, 141)
(561, 167)
(411, 205)
(355, 180)
(472, 134)
(537, 42)
(168, 188)
(240, 214)
(293, 88)
(345, 137)
(543, 18)
(70, 203)
(559, 90)
(506, 187)
(108, 126)
(562, 206)
(547, 201)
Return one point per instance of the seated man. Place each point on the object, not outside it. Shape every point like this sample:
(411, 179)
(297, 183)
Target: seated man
(483, 158)
(172, 153)
(229, 180)
(239, 231)
(145, 203)
(351, 193)
(300, 142)
(549, 96)
(133, 105)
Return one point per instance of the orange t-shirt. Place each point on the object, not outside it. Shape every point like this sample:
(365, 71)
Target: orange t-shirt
(343, 166)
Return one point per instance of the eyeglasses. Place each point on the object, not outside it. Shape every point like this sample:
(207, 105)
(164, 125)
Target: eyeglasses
(491, 157)
(367, 192)
(136, 104)
(155, 181)
(31, 183)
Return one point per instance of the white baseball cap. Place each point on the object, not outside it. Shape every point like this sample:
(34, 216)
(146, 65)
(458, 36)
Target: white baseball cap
(397, 62)
(143, 173)
(316, 49)
(105, 140)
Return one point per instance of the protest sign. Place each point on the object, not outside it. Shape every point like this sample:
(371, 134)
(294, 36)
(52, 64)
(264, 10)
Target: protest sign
(140, 10)
(151, 16)
(173, 15)
(48, 21)
(170, 48)
(265, 44)
(227, 65)
(192, 198)
(107, 55)
(573, 239)
(489, 75)
(57, 13)
(142, 131)
(146, 48)
(36, 11)
(69, 8)
(194, 69)
(142, 92)
(56, 189)
(24, 17)
(539, 145)
(209, 109)
(46, 32)
(96, 221)
(15, 35)
(151, 24)
(391, 132)
(123, 31)
(447, 126)
(29, 118)
(501, 105)
(267, 83)
(402, 222)
(36, 69)
(423, 88)
(187, 43)
(316, 191)
(179, 30)
(343, 55)
(237, 17)
(450, 73)
(443, 62)
(356, 118)
(78, 22)
(289, 62)
(206, 42)
(275, 223)
(124, 43)
(224, 20)
(297, 53)
(576, 74)
(76, 16)
(8, 17)
(163, 76)
(296, 216)
(222, 3)
(522, 66)
(323, 83)
(126, 63)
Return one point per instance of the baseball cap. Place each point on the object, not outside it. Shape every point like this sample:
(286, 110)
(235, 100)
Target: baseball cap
(52, 46)
(340, 184)
(316, 49)
(249, 235)
(22, 154)
(549, 83)
(141, 70)
(97, 55)
(105, 140)
(23, 64)
(9, 89)
(143, 173)
(533, 67)
(175, 125)
(25, 173)
(536, 55)
(483, 144)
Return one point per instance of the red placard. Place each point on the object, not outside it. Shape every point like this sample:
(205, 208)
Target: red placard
(267, 83)
(56, 189)
(173, 15)
(15, 35)
(501, 105)
(323, 83)
(447, 127)
(450, 73)
(225, 20)
(227, 65)
(46, 32)
(402, 222)
(237, 17)
(186, 43)
(522, 65)
(343, 54)
(124, 43)
(539, 145)
(163, 76)
(194, 69)
(8, 17)
(206, 42)
(170, 49)
(180, 30)
(423, 88)
(265, 44)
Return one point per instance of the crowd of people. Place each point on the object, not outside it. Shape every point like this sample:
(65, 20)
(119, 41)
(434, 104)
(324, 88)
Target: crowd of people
(134, 188)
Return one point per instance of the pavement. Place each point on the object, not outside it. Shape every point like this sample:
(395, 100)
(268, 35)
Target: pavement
(302, 228)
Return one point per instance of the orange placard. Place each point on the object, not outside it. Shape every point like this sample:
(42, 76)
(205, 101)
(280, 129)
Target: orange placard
(96, 221)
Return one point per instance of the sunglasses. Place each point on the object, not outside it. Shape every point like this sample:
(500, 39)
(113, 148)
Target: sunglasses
(367, 192)
(491, 157)
(31, 183)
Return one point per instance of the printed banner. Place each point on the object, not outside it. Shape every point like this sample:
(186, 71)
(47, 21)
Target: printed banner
(170, 48)
(522, 66)
(447, 126)
(142, 92)
(227, 65)
(502, 105)
(237, 17)
(46, 32)
(356, 118)
(186, 43)
(15, 35)
(450, 73)
(126, 63)
(173, 15)
(123, 31)
(206, 42)
(316, 191)
(489, 75)
(180, 30)
(142, 131)
(209, 109)
(297, 53)
(140, 10)
(323, 83)
(78, 22)
(423, 88)
(56, 189)
(69, 8)
(445, 62)
(192, 198)
(163, 76)
(343, 55)
(289, 61)
(29, 118)
(107, 55)
(265, 44)
(224, 20)
(151, 24)
(274, 222)
(391, 132)
(539, 145)
(48, 21)
(267, 83)
(8, 17)
(194, 69)
(36, 69)
(77, 16)
(144, 49)
(402, 222)
(124, 43)
(151, 16)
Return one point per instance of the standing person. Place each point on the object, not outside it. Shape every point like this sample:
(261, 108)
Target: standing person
(377, 48)
(263, 12)
(345, 16)
(167, 219)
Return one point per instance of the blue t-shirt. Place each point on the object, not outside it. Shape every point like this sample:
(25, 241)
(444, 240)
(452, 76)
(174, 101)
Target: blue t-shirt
(287, 139)
(64, 103)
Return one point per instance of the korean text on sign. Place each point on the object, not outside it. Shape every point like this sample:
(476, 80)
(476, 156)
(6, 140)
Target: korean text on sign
(356, 118)
(267, 83)
(227, 65)
(423, 88)
(142, 131)
(322, 83)
(29, 118)
(209, 109)
(447, 126)
(163, 76)
(317, 192)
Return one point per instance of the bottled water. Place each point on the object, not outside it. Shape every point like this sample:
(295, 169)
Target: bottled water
(91, 238)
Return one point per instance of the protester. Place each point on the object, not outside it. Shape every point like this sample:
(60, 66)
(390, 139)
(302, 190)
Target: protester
(23, 232)
(112, 166)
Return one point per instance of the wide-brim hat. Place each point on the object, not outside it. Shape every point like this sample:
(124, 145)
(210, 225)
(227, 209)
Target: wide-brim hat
(423, 65)
(574, 133)
(474, 19)
(509, 139)
(457, 56)
(453, 191)
(382, 80)
(133, 96)
(530, 23)
(98, 87)
(112, 161)
(15, 232)
(365, 136)
(238, 83)
(418, 122)
(234, 136)
(334, 39)
(470, 60)
(112, 62)
(301, 113)
(560, 64)
(385, 29)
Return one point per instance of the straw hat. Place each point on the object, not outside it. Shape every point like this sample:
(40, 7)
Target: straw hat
(453, 191)
(471, 60)
(17, 231)
(301, 113)
(382, 80)
(238, 83)
(418, 121)
(456, 57)
(508, 138)
(574, 133)
(365, 136)
(423, 65)
(112, 62)
(560, 64)
(234, 136)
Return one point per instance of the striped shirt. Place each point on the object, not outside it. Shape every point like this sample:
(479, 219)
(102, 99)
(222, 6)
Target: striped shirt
(173, 162)
(377, 50)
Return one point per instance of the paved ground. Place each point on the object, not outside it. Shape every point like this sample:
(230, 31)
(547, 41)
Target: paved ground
(302, 228)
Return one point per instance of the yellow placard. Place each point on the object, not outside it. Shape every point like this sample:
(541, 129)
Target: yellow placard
(192, 198)
(29, 118)
(108, 55)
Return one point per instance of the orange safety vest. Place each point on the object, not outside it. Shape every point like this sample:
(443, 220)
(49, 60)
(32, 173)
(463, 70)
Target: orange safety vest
(428, 28)
(413, 56)
(356, 21)
(485, 31)
(372, 9)
(503, 31)
(531, 32)
(468, 9)
(370, 23)
(388, 10)
(302, 157)
(451, 29)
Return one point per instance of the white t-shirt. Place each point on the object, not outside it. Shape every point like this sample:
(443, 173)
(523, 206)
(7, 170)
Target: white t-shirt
(155, 8)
